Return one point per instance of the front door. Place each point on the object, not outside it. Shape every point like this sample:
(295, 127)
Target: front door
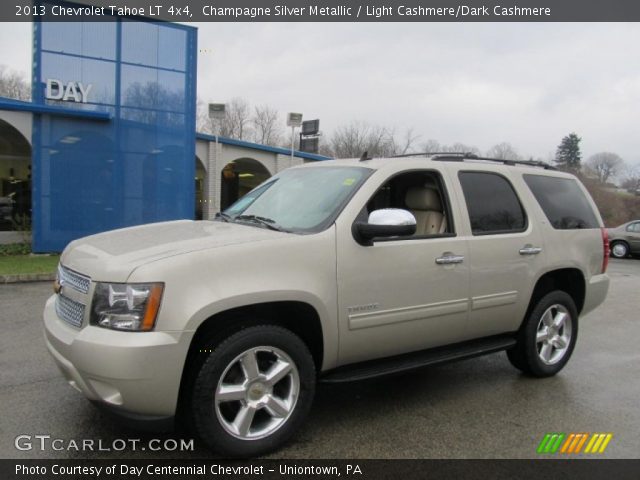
(632, 235)
(408, 293)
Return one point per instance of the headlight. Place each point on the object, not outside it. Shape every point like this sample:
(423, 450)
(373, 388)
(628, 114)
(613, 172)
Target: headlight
(122, 306)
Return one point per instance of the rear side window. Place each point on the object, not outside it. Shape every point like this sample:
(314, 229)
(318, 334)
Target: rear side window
(492, 203)
(563, 202)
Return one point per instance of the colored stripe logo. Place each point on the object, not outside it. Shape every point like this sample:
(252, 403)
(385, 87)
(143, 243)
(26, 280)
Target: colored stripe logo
(574, 443)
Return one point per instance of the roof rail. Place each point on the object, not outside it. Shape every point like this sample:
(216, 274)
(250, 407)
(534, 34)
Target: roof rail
(462, 156)
(432, 154)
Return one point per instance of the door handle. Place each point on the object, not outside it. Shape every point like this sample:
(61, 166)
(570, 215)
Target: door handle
(530, 250)
(449, 259)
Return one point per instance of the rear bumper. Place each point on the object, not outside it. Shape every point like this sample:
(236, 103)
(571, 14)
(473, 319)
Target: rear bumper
(134, 374)
(596, 292)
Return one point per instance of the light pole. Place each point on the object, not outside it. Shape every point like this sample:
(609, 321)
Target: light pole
(293, 120)
(216, 112)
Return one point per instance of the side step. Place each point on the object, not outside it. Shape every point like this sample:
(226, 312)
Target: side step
(411, 361)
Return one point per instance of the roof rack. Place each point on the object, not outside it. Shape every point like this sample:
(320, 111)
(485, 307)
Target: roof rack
(462, 156)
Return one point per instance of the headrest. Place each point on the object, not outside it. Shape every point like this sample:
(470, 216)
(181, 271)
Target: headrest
(419, 198)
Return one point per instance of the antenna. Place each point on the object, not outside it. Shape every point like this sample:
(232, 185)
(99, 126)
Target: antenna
(365, 156)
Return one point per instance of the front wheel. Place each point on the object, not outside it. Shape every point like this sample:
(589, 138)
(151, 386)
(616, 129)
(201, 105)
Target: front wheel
(548, 336)
(253, 392)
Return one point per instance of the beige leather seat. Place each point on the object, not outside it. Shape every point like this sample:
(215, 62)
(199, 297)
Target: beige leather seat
(424, 203)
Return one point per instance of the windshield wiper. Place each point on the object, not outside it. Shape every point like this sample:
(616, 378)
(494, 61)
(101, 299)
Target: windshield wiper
(223, 216)
(264, 221)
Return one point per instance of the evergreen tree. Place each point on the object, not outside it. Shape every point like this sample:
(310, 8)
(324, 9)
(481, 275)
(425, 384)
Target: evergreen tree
(568, 155)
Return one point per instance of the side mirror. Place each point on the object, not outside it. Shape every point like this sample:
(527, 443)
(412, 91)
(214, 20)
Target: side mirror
(387, 222)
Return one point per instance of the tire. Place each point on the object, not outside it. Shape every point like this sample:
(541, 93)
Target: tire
(547, 337)
(619, 249)
(236, 409)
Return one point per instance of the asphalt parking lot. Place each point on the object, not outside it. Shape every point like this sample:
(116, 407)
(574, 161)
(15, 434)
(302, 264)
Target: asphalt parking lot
(479, 408)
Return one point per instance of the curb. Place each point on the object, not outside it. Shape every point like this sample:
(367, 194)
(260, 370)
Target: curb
(27, 278)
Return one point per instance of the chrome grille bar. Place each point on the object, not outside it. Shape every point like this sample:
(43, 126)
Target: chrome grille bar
(73, 279)
(70, 311)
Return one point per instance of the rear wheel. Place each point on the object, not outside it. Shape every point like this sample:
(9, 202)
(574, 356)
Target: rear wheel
(253, 392)
(548, 336)
(619, 249)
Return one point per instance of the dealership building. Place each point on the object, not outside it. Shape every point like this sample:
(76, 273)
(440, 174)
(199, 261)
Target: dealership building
(109, 139)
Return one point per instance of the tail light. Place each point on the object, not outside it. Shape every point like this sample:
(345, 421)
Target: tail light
(605, 249)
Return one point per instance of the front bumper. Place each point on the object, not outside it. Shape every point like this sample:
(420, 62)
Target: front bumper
(136, 374)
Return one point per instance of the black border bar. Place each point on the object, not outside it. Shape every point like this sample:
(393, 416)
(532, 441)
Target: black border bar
(543, 469)
(329, 10)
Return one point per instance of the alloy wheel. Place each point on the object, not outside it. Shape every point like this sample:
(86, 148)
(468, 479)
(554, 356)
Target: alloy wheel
(257, 393)
(553, 336)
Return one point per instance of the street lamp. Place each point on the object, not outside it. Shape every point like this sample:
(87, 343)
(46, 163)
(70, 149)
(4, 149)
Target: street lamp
(293, 120)
(216, 112)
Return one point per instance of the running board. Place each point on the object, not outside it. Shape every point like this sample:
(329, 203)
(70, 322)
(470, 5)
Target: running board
(414, 360)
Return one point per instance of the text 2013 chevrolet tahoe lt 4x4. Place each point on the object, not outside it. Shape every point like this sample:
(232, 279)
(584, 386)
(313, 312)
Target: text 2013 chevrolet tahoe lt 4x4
(336, 271)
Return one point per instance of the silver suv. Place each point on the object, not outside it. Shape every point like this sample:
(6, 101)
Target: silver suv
(333, 272)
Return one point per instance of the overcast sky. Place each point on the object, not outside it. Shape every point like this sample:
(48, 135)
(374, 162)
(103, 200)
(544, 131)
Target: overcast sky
(479, 84)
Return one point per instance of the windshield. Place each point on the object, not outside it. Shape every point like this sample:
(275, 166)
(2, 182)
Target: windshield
(299, 199)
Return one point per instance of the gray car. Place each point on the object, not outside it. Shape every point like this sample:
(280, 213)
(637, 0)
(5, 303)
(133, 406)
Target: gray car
(625, 239)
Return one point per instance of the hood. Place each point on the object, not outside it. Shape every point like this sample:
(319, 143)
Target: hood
(112, 256)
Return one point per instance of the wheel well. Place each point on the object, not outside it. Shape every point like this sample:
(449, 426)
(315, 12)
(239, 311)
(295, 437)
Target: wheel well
(569, 280)
(298, 317)
(301, 318)
(613, 242)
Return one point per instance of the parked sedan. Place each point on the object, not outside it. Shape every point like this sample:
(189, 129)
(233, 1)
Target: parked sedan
(625, 239)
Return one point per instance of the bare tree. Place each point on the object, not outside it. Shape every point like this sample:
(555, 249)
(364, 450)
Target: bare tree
(605, 165)
(503, 151)
(356, 138)
(461, 147)
(14, 85)
(404, 144)
(266, 125)
(631, 178)
(203, 124)
(235, 124)
(352, 140)
(433, 146)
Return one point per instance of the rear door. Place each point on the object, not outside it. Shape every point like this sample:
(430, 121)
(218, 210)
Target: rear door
(505, 250)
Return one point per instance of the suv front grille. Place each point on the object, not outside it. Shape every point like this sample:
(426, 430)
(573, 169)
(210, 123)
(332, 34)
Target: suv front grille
(73, 279)
(70, 311)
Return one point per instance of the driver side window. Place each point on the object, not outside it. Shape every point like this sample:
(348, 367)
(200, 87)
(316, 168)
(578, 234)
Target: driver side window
(421, 193)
